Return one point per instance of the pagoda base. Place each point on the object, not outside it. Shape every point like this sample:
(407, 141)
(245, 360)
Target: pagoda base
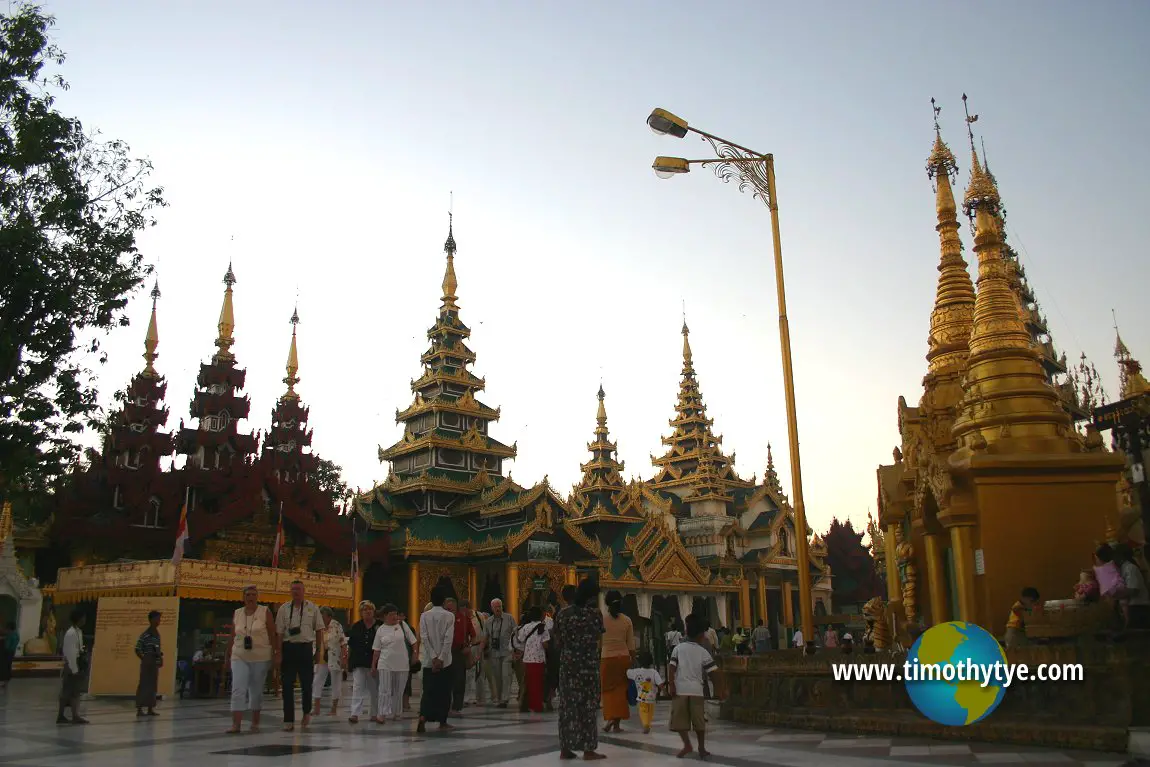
(786, 689)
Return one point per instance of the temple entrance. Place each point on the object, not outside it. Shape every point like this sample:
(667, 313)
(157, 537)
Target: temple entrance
(539, 595)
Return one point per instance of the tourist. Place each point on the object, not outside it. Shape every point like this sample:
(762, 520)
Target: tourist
(617, 654)
(1135, 597)
(1019, 612)
(476, 692)
(436, 632)
(360, 660)
(300, 629)
(691, 668)
(75, 664)
(9, 643)
(761, 638)
(332, 658)
(391, 664)
(831, 638)
(253, 647)
(532, 637)
(461, 644)
(413, 655)
(579, 627)
(500, 629)
(797, 639)
(151, 661)
(647, 683)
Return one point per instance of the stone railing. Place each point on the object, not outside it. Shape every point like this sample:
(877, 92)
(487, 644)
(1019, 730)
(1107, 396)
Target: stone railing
(785, 688)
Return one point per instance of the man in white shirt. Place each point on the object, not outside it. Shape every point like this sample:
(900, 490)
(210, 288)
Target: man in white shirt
(436, 632)
(300, 627)
(798, 639)
(75, 664)
(500, 630)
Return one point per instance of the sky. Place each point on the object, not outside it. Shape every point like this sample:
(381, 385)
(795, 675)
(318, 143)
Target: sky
(319, 146)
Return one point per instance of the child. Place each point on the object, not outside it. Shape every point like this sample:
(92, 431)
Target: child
(690, 669)
(647, 681)
(1016, 624)
(1087, 590)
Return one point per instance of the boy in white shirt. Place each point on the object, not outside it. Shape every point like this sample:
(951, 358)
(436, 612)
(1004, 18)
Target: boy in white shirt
(647, 682)
(690, 669)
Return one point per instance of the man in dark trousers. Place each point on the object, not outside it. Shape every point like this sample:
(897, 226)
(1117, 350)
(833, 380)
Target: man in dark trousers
(461, 642)
(300, 627)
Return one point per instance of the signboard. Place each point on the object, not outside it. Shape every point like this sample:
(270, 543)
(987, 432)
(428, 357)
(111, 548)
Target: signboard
(119, 623)
(1111, 416)
(543, 551)
(979, 562)
(540, 584)
(197, 580)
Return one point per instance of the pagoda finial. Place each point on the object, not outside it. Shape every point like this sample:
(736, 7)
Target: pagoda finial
(1120, 350)
(770, 458)
(686, 342)
(953, 313)
(227, 321)
(292, 361)
(152, 338)
(450, 283)
(601, 416)
(1004, 380)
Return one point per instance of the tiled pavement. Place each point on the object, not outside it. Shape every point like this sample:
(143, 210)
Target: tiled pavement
(190, 732)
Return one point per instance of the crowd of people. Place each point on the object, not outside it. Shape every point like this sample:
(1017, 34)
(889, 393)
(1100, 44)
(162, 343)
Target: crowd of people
(573, 651)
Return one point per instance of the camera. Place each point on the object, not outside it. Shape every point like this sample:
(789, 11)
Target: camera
(495, 644)
(293, 631)
(247, 643)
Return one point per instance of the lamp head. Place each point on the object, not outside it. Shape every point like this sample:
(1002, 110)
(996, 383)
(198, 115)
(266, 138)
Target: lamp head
(666, 124)
(665, 167)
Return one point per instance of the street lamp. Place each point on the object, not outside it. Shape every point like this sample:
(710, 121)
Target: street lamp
(755, 172)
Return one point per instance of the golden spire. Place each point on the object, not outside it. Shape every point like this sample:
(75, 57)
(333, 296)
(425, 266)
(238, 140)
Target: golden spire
(1006, 396)
(152, 338)
(953, 314)
(603, 471)
(292, 361)
(1131, 381)
(450, 283)
(601, 416)
(227, 321)
(686, 346)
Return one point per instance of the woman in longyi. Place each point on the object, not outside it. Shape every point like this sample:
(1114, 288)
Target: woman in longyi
(615, 660)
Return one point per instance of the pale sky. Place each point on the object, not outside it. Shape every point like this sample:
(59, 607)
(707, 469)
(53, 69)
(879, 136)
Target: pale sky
(325, 138)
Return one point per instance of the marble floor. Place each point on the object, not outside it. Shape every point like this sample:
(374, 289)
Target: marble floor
(191, 732)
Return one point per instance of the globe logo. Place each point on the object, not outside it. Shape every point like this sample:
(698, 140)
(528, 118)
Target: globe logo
(955, 673)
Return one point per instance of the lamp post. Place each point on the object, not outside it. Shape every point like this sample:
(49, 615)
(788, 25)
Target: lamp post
(755, 172)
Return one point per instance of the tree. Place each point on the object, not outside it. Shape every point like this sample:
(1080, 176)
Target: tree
(855, 579)
(71, 206)
(329, 477)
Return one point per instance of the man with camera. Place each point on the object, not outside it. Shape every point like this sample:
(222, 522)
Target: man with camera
(500, 629)
(300, 626)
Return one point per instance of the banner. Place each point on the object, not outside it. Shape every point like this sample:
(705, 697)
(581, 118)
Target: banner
(81, 584)
(119, 623)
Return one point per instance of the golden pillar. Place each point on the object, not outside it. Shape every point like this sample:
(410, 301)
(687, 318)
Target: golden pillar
(745, 618)
(413, 606)
(356, 596)
(763, 599)
(511, 604)
(473, 587)
(963, 546)
(788, 606)
(936, 579)
(893, 585)
(572, 576)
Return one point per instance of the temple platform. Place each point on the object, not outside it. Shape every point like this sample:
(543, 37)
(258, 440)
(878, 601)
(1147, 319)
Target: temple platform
(191, 732)
(786, 689)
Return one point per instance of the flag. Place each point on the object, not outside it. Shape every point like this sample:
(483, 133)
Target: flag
(181, 533)
(354, 551)
(279, 538)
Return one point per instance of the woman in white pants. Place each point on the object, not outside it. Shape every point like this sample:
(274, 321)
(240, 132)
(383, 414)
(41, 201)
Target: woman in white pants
(253, 646)
(364, 685)
(391, 663)
(332, 660)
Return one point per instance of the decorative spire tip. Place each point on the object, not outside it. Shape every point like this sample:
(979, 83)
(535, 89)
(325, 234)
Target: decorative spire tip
(230, 277)
(294, 317)
(155, 291)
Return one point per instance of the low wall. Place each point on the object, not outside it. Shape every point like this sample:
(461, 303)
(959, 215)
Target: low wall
(787, 689)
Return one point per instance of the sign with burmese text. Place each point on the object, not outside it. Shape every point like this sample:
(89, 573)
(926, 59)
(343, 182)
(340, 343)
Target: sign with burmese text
(119, 623)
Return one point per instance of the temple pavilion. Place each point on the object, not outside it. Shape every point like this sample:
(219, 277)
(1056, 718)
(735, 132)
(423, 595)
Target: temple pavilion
(695, 537)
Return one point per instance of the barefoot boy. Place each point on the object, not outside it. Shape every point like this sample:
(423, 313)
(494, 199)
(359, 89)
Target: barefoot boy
(691, 667)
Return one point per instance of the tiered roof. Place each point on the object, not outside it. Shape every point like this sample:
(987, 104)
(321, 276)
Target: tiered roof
(695, 456)
(216, 403)
(283, 448)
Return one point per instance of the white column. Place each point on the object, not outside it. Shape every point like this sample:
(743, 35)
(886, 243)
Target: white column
(721, 608)
(644, 601)
(686, 602)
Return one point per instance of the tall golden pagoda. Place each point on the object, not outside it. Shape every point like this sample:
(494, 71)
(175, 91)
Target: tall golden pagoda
(992, 489)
